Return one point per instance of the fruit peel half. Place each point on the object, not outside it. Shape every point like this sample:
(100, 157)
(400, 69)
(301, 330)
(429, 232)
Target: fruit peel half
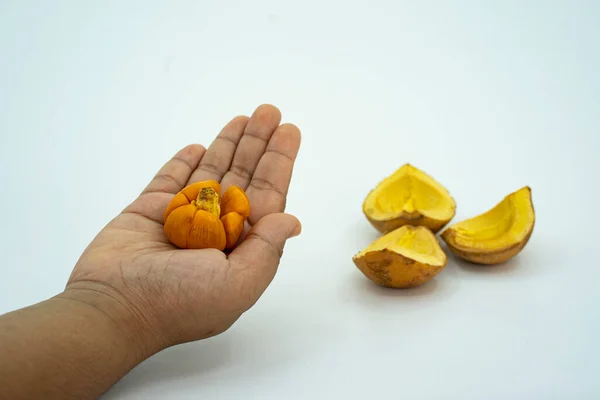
(406, 257)
(409, 196)
(496, 235)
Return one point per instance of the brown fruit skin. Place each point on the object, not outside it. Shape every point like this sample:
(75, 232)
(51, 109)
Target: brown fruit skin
(415, 219)
(393, 270)
(482, 257)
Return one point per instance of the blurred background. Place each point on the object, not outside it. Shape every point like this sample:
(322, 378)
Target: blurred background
(485, 96)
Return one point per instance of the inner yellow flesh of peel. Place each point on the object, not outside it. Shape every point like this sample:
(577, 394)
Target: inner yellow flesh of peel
(508, 223)
(416, 243)
(409, 190)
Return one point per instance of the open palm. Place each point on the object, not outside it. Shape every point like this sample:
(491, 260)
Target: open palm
(178, 295)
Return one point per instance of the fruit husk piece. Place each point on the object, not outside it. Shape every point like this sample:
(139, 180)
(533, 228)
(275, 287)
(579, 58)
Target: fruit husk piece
(409, 197)
(406, 257)
(496, 235)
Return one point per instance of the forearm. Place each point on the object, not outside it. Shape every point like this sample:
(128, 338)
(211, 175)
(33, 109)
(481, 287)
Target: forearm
(65, 348)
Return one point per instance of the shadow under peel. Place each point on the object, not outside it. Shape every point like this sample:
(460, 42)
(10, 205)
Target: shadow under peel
(366, 285)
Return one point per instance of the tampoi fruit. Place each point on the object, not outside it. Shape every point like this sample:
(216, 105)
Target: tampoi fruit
(199, 217)
(409, 197)
(406, 257)
(496, 235)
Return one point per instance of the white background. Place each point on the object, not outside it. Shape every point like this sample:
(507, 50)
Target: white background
(485, 96)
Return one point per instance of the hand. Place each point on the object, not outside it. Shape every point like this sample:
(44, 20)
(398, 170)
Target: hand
(169, 296)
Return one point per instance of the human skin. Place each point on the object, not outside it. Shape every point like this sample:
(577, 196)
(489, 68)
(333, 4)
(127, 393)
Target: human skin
(132, 293)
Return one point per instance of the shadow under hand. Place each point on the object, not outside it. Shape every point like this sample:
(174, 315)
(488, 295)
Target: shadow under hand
(246, 347)
(175, 363)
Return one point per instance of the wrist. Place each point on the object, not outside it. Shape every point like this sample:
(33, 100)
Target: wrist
(130, 327)
(73, 345)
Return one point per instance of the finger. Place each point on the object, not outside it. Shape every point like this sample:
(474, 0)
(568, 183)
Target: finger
(219, 155)
(260, 128)
(151, 205)
(173, 176)
(170, 179)
(256, 259)
(269, 185)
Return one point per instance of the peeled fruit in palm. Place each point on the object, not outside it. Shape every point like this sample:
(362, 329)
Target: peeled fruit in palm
(496, 235)
(409, 197)
(406, 257)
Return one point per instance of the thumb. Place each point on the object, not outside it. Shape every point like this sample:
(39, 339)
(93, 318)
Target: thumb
(258, 255)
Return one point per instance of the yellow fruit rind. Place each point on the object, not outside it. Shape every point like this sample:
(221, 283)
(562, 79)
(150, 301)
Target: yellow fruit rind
(491, 256)
(413, 219)
(418, 217)
(481, 257)
(391, 264)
